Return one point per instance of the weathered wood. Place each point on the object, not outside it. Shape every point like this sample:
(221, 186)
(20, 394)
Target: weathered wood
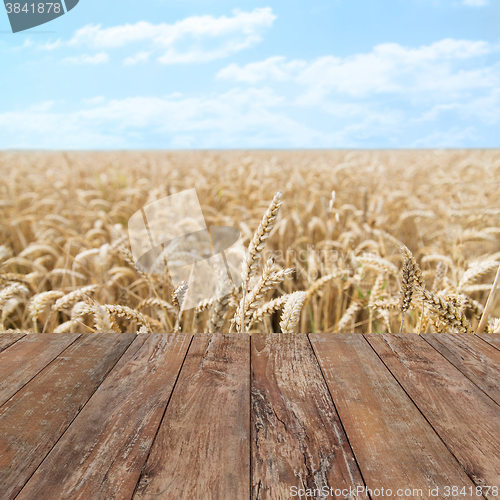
(202, 450)
(476, 359)
(7, 339)
(35, 418)
(393, 444)
(27, 357)
(107, 444)
(297, 437)
(492, 339)
(465, 418)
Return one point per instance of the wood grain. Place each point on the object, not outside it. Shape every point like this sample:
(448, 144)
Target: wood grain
(202, 450)
(297, 437)
(492, 339)
(7, 339)
(475, 358)
(106, 446)
(35, 418)
(393, 444)
(27, 357)
(465, 418)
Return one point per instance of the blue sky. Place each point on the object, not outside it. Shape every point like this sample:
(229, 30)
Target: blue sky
(181, 74)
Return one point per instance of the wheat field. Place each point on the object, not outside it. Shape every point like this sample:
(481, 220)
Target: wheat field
(338, 241)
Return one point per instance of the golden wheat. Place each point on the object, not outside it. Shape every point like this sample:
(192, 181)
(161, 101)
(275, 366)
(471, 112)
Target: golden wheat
(338, 222)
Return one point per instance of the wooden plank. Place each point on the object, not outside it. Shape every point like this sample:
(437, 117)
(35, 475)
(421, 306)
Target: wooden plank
(297, 438)
(393, 444)
(202, 450)
(7, 339)
(106, 446)
(492, 339)
(465, 418)
(475, 358)
(35, 418)
(23, 360)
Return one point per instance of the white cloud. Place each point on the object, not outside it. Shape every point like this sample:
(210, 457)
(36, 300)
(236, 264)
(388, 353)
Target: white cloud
(42, 107)
(194, 39)
(100, 58)
(475, 3)
(452, 138)
(447, 93)
(142, 56)
(47, 45)
(165, 35)
(486, 108)
(392, 89)
(247, 118)
(275, 68)
(388, 68)
(244, 118)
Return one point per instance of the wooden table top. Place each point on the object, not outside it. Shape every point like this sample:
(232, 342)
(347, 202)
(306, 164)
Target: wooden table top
(226, 416)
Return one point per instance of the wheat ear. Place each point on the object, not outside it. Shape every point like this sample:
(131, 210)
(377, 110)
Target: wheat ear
(154, 302)
(271, 277)
(319, 284)
(476, 271)
(269, 308)
(128, 313)
(439, 276)
(219, 305)
(495, 328)
(70, 298)
(447, 313)
(258, 242)
(103, 323)
(411, 273)
(291, 312)
(178, 296)
(129, 259)
(38, 303)
(256, 247)
(11, 291)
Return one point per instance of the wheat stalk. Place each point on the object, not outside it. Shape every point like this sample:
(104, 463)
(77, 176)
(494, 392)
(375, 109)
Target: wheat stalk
(255, 249)
(489, 303)
(349, 316)
(271, 277)
(407, 284)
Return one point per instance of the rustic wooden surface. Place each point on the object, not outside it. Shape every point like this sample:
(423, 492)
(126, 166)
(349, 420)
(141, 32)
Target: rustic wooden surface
(211, 417)
(26, 358)
(475, 358)
(465, 418)
(7, 339)
(202, 449)
(35, 418)
(104, 450)
(391, 440)
(297, 437)
(492, 339)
